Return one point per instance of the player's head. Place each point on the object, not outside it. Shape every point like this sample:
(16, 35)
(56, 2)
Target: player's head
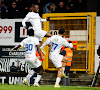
(31, 32)
(61, 31)
(35, 8)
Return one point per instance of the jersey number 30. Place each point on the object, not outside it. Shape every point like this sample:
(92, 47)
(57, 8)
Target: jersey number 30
(29, 47)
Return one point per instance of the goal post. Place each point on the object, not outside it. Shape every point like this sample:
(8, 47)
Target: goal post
(80, 29)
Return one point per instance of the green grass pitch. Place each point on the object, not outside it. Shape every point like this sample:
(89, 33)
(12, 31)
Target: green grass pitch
(44, 87)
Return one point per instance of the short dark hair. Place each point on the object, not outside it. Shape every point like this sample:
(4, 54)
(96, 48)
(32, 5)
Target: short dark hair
(61, 31)
(30, 32)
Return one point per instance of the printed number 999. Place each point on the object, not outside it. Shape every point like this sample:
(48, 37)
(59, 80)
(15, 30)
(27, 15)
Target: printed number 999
(5, 29)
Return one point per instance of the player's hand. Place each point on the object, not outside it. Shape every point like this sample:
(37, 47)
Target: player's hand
(25, 27)
(48, 19)
(11, 52)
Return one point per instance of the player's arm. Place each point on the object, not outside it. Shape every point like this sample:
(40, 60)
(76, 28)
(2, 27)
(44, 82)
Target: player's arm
(68, 44)
(39, 51)
(71, 45)
(44, 20)
(15, 48)
(47, 42)
(21, 45)
(24, 20)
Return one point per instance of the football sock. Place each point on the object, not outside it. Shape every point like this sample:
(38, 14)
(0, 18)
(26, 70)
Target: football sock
(57, 81)
(63, 69)
(30, 74)
(38, 78)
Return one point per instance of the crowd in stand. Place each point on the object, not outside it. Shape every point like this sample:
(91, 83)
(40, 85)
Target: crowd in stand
(19, 8)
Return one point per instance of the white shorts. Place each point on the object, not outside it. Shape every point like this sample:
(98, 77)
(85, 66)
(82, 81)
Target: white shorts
(39, 34)
(34, 63)
(56, 60)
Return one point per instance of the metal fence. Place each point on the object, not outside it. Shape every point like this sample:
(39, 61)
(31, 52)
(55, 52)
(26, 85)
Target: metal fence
(80, 29)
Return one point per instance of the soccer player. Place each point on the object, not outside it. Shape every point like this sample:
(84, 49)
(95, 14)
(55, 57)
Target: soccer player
(31, 44)
(56, 43)
(36, 22)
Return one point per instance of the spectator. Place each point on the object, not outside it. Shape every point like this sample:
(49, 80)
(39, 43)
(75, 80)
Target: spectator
(30, 8)
(60, 8)
(13, 68)
(51, 8)
(1, 1)
(68, 9)
(24, 8)
(18, 2)
(81, 6)
(8, 2)
(3, 10)
(13, 11)
(24, 11)
(70, 6)
(45, 7)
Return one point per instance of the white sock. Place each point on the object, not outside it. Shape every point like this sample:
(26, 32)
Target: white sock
(38, 78)
(30, 74)
(57, 81)
(45, 43)
(63, 69)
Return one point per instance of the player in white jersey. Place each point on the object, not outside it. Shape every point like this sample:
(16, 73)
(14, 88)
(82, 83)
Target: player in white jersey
(31, 44)
(56, 43)
(36, 22)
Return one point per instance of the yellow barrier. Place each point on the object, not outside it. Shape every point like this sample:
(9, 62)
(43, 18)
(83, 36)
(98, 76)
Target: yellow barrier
(79, 27)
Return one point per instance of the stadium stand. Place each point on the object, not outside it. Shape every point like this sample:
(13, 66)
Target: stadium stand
(22, 7)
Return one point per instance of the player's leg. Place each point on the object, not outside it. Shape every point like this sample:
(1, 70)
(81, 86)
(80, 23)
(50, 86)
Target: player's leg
(48, 35)
(64, 61)
(59, 75)
(39, 75)
(58, 79)
(27, 78)
(40, 35)
(56, 60)
(38, 67)
(31, 72)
